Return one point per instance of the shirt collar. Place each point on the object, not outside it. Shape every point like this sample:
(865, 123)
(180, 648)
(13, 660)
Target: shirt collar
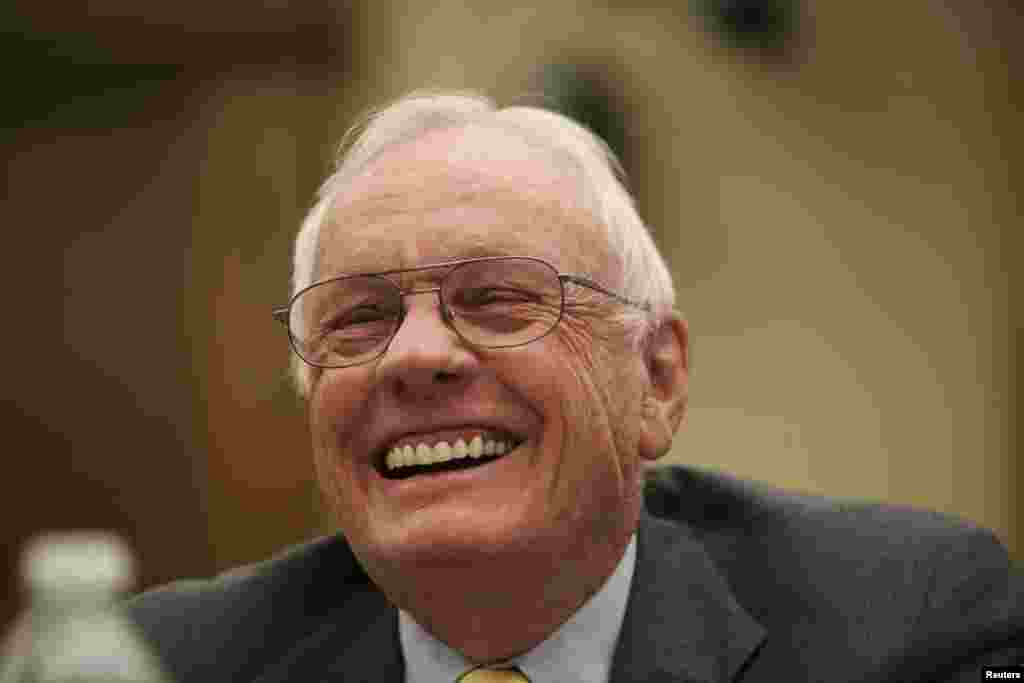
(579, 651)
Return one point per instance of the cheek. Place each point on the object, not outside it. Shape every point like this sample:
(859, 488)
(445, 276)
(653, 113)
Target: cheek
(603, 408)
(337, 400)
(332, 414)
(576, 402)
(578, 376)
(335, 410)
(600, 369)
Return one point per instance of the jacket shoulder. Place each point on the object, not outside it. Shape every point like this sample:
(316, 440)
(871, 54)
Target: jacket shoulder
(712, 502)
(737, 518)
(236, 623)
(888, 581)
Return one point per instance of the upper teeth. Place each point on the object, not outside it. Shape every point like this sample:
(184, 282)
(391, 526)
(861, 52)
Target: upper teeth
(424, 454)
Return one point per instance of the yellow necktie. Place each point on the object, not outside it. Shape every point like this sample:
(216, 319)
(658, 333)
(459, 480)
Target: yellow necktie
(493, 676)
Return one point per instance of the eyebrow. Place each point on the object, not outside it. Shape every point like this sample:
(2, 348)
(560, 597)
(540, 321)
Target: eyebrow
(483, 250)
(466, 251)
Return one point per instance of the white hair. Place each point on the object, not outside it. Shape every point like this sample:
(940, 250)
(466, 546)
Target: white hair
(644, 274)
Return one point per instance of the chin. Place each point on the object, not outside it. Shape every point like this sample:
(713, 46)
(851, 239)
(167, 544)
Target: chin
(452, 544)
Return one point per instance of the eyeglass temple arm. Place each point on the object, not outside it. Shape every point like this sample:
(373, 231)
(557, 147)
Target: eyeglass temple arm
(281, 315)
(590, 284)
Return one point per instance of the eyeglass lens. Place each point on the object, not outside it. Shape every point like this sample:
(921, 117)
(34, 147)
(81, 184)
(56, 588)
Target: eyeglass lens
(499, 303)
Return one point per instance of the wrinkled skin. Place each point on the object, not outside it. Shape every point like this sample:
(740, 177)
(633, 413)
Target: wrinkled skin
(513, 550)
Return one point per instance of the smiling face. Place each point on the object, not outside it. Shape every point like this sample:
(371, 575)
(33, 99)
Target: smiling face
(565, 409)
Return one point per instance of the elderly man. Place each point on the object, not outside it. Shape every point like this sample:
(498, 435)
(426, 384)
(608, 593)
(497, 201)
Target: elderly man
(485, 336)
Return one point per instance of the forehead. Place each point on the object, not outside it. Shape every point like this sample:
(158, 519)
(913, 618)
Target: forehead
(458, 194)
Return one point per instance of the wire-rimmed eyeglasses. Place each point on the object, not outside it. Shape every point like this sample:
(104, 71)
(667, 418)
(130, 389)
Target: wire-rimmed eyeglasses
(491, 302)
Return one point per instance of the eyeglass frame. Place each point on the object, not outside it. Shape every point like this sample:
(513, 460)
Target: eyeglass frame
(282, 314)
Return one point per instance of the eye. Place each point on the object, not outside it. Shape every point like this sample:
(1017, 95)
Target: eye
(360, 315)
(484, 296)
(364, 314)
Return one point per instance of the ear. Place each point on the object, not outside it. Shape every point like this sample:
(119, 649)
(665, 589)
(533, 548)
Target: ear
(666, 358)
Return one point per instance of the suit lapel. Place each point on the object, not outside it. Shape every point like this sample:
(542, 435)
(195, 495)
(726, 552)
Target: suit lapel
(357, 643)
(682, 622)
(375, 654)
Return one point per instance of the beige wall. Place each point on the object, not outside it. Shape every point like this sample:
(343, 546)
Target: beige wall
(836, 230)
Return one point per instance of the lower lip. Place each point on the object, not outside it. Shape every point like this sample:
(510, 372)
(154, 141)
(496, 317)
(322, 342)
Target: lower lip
(426, 482)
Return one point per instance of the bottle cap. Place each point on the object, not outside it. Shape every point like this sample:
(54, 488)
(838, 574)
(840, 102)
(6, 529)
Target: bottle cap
(76, 561)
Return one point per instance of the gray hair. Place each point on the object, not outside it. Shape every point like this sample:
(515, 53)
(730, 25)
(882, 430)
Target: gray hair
(645, 275)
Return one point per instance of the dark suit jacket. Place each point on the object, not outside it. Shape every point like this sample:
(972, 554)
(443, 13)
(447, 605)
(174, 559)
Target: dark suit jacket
(734, 581)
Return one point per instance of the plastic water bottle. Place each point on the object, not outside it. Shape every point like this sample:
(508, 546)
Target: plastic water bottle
(72, 631)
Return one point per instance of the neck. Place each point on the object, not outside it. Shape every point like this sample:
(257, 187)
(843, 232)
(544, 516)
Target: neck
(498, 607)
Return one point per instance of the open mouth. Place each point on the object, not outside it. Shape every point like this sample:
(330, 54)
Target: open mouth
(405, 462)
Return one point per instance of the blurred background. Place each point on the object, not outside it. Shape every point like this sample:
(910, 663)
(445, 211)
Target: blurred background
(835, 184)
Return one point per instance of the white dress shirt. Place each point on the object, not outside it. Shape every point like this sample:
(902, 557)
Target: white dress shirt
(580, 651)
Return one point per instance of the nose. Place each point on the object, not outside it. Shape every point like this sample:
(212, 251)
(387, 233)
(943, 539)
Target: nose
(426, 356)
